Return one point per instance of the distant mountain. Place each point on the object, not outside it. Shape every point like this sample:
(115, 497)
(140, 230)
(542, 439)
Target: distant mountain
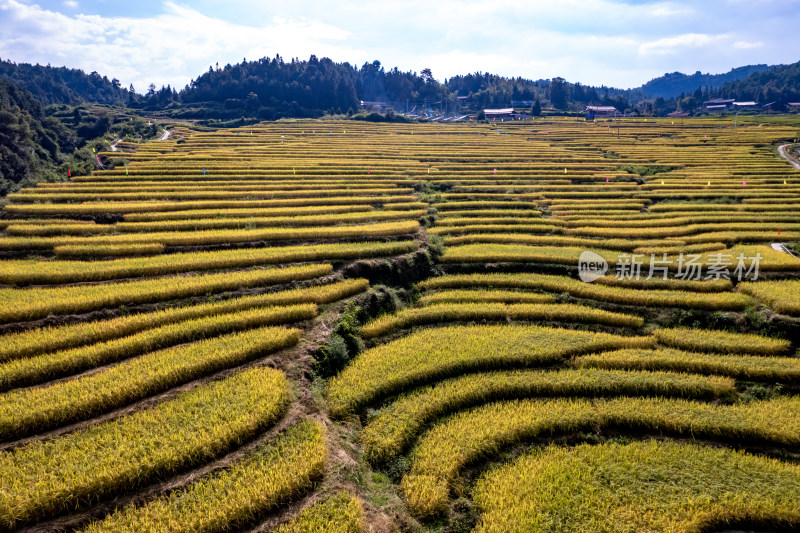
(672, 85)
(62, 85)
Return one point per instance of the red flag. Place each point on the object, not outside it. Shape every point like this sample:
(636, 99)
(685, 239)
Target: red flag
(69, 173)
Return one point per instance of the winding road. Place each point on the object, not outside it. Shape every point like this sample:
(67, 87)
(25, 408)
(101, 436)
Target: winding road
(783, 154)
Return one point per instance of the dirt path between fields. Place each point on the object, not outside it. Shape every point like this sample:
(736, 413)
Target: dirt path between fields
(783, 154)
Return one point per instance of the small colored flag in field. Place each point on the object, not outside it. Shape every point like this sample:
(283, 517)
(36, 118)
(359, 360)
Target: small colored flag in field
(606, 180)
(126, 171)
(204, 172)
(744, 182)
(69, 173)
(779, 231)
(367, 171)
(709, 183)
(784, 182)
(565, 171)
(495, 171)
(662, 182)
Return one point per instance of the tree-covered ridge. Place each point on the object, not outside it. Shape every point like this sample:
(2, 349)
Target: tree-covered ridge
(62, 85)
(779, 84)
(673, 84)
(31, 143)
(271, 88)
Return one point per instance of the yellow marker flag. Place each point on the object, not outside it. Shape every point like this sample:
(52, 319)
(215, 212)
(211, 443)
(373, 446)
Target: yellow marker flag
(126, 171)
(429, 171)
(565, 171)
(709, 183)
(294, 171)
(784, 182)
(662, 182)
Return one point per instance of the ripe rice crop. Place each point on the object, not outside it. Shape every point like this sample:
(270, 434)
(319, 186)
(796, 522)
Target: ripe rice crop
(483, 431)
(487, 253)
(209, 237)
(100, 461)
(28, 411)
(748, 367)
(677, 284)
(99, 208)
(516, 213)
(28, 271)
(782, 296)
(640, 486)
(41, 368)
(390, 433)
(704, 340)
(438, 353)
(341, 513)
(196, 224)
(43, 340)
(48, 196)
(108, 250)
(485, 296)
(556, 240)
(464, 312)
(205, 214)
(29, 304)
(261, 481)
(605, 293)
(494, 228)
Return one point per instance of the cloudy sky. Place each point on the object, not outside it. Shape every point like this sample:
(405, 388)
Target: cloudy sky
(611, 42)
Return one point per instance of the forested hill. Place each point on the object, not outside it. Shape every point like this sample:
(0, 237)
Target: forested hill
(779, 84)
(62, 85)
(673, 84)
(273, 87)
(31, 143)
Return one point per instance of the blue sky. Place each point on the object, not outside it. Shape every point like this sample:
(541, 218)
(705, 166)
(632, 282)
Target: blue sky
(610, 42)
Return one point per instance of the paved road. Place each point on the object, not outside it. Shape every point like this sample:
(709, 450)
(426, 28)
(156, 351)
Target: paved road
(783, 154)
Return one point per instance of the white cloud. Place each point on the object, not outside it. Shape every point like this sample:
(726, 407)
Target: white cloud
(167, 48)
(592, 41)
(71, 4)
(744, 45)
(669, 45)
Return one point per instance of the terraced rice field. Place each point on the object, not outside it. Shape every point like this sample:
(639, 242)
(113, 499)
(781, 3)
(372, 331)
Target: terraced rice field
(334, 326)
